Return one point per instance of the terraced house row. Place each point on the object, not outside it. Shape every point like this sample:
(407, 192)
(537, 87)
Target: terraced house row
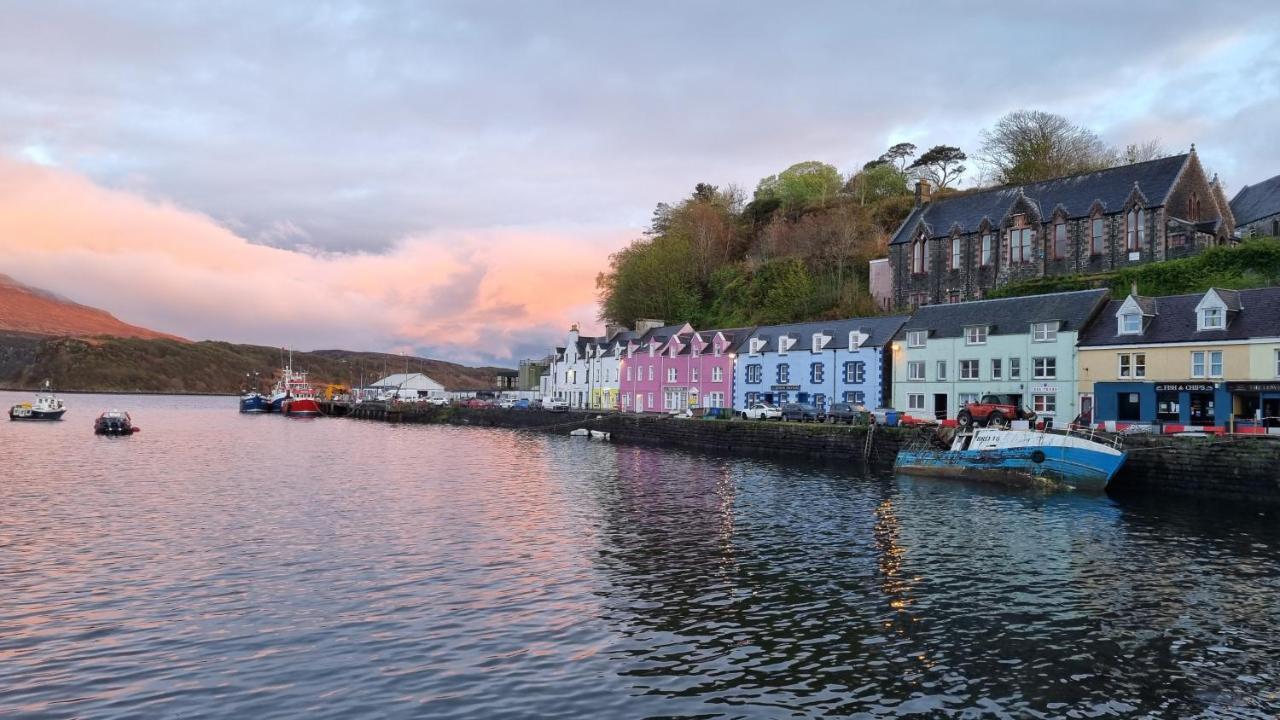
(1205, 360)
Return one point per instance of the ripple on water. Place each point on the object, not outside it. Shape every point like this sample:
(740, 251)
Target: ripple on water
(223, 565)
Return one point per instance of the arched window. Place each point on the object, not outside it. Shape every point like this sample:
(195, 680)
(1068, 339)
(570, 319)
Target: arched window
(1193, 207)
(957, 252)
(1060, 249)
(1135, 230)
(1096, 225)
(919, 256)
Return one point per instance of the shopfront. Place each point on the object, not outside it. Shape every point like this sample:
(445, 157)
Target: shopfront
(1193, 404)
(1256, 403)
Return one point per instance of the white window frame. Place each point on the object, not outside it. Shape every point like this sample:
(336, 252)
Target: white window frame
(1044, 331)
(987, 242)
(1278, 363)
(672, 375)
(971, 364)
(1015, 368)
(1124, 324)
(1219, 316)
(1044, 368)
(975, 335)
(997, 368)
(915, 401)
(1136, 369)
(942, 370)
(693, 373)
(717, 374)
(1215, 363)
(966, 398)
(917, 338)
(1198, 364)
(912, 367)
(1044, 403)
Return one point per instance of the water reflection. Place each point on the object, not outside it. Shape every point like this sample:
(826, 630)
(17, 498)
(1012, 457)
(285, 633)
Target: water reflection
(239, 566)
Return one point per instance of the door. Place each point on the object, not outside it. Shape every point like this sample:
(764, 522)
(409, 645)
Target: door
(940, 406)
(1271, 412)
(1128, 407)
(1086, 409)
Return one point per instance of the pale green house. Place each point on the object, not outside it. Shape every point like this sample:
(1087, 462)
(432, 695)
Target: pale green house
(948, 355)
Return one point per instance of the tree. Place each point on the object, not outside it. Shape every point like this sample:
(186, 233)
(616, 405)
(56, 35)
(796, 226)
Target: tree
(940, 165)
(898, 155)
(1030, 145)
(802, 185)
(876, 181)
(1142, 152)
(649, 278)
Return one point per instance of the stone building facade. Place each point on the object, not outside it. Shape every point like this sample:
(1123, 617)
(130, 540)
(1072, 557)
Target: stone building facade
(960, 246)
(1257, 209)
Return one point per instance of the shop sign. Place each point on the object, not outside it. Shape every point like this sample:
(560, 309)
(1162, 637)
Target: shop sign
(1044, 389)
(784, 387)
(1185, 387)
(1253, 386)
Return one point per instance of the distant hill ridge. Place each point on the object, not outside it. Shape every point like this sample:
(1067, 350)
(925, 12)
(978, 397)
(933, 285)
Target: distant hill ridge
(25, 309)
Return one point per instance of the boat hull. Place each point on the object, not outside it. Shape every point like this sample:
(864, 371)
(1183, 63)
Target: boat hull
(254, 404)
(1080, 468)
(18, 414)
(301, 407)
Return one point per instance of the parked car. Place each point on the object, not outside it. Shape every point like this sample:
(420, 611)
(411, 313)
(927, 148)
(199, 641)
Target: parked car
(437, 401)
(477, 403)
(762, 411)
(993, 409)
(847, 413)
(801, 412)
(535, 404)
(555, 405)
(522, 404)
(506, 403)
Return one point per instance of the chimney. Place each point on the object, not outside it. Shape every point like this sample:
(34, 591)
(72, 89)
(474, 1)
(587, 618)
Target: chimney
(922, 192)
(611, 329)
(573, 334)
(644, 325)
(1133, 288)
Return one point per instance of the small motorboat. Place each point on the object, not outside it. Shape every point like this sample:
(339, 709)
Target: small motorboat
(114, 422)
(591, 434)
(46, 406)
(254, 402)
(1019, 457)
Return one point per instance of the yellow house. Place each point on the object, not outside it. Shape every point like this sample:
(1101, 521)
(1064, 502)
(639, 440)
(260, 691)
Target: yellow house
(1210, 359)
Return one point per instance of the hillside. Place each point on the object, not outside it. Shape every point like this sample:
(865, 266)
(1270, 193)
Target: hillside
(164, 365)
(24, 309)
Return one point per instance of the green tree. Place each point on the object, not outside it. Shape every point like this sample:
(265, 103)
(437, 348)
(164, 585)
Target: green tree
(784, 289)
(940, 165)
(805, 184)
(899, 155)
(650, 278)
(877, 181)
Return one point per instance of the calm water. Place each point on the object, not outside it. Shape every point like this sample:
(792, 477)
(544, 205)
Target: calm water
(252, 567)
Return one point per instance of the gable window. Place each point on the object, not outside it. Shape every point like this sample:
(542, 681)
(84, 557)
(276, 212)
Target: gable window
(754, 374)
(1130, 324)
(975, 335)
(816, 372)
(968, 369)
(956, 253)
(987, 242)
(1095, 240)
(915, 370)
(784, 374)
(1020, 244)
(942, 369)
(855, 372)
(1133, 365)
(1060, 240)
(1206, 364)
(918, 256)
(1044, 332)
(1135, 232)
(1193, 207)
(916, 338)
(1211, 318)
(1044, 368)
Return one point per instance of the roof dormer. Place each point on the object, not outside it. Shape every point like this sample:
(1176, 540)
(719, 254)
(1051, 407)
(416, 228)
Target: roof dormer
(1216, 309)
(755, 345)
(1134, 314)
(857, 339)
(820, 340)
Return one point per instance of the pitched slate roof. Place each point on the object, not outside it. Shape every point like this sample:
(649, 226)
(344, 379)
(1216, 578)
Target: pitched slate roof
(734, 336)
(1175, 321)
(1075, 193)
(1007, 316)
(1257, 201)
(880, 330)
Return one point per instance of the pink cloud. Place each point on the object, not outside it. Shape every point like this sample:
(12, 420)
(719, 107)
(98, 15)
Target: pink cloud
(178, 271)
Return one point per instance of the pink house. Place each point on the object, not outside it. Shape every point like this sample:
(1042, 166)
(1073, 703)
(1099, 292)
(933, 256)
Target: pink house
(676, 368)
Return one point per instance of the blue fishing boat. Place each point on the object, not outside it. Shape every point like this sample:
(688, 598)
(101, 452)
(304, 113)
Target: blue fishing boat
(1019, 457)
(253, 402)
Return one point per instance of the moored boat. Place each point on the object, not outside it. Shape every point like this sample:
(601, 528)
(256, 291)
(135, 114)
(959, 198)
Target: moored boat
(46, 406)
(293, 395)
(114, 422)
(1020, 457)
(254, 402)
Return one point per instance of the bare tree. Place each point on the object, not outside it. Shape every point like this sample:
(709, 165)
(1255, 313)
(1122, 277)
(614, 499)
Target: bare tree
(1029, 145)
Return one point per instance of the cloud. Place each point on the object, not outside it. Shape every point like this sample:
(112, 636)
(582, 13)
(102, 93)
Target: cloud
(472, 295)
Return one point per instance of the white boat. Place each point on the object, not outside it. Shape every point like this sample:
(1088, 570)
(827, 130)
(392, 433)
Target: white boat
(1084, 461)
(46, 406)
(592, 434)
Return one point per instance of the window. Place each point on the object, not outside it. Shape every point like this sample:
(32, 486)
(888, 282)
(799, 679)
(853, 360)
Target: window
(966, 398)
(956, 253)
(916, 338)
(915, 370)
(855, 372)
(918, 299)
(915, 401)
(856, 397)
(650, 400)
(969, 369)
(1278, 363)
(1044, 368)
(942, 369)
(816, 372)
(754, 374)
(1021, 240)
(1060, 248)
(1015, 368)
(715, 399)
(1211, 318)
(918, 256)
(997, 372)
(1133, 365)
(1206, 364)
(818, 340)
(693, 374)
(987, 241)
(1193, 207)
(628, 374)
(1044, 404)
(784, 374)
(1044, 332)
(651, 372)
(1131, 324)
(975, 335)
(1135, 233)
(1095, 242)
(953, 296)
(717, 374)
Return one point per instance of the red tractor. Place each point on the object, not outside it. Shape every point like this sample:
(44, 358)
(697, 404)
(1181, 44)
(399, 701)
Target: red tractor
(996, 410)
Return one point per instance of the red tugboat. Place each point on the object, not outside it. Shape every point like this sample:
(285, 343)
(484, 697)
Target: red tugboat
(299, 397)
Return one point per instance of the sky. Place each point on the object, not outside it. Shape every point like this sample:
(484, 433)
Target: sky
(448, 178)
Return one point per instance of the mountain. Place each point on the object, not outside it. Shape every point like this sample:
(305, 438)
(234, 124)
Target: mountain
(28, 310)
(43, 336)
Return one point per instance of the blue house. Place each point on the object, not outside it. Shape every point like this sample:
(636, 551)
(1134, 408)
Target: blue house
(820, 362)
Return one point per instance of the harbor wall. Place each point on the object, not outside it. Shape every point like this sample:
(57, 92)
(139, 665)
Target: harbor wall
(1239, 469)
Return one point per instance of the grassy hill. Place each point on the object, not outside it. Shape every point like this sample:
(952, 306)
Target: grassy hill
(163, 365)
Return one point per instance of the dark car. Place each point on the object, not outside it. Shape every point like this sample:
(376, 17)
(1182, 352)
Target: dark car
(846, 413)
(522, 405)
(801, 412)
(995, 410)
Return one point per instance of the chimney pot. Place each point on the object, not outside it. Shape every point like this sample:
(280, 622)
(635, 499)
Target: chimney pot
(922, 192)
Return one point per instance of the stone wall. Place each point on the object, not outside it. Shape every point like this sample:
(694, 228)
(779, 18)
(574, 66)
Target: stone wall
(1237, 469)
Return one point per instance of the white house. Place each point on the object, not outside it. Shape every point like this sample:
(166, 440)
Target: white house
(404, 386)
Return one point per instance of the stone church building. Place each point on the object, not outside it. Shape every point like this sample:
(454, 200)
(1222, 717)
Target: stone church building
(959, 246)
